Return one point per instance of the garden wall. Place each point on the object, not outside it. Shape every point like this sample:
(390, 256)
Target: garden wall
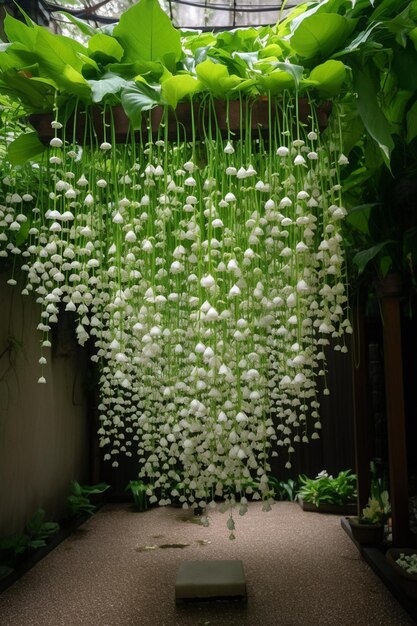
(44, 431)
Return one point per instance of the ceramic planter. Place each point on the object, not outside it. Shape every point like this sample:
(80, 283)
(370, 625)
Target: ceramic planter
(408, 581)
(216, 118)
(366, 534)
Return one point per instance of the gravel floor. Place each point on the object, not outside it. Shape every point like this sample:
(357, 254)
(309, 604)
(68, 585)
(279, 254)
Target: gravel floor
(301, 569)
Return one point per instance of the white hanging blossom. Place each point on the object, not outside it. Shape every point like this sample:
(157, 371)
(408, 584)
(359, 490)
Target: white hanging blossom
(210, 299)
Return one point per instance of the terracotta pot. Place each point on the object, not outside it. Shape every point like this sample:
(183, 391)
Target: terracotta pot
(408, 581)
(181, 116)
(366, 534)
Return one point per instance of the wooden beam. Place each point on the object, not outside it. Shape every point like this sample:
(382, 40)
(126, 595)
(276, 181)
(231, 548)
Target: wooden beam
(396, 426)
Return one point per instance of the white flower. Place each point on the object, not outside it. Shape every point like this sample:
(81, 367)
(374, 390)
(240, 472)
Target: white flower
(234, 292)
(207, 281)
(82, 181)
(229, 149)
(118, 218)
(285, 202)
(105, 146)
(56, 142)
(343, 160)
(211, 315)
(299, 160)
(283, 151)
(130, 236)
(190, 182)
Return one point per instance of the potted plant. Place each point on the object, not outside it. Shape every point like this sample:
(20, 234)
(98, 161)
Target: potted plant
(368, 528)
(328, 494)
(404, 563)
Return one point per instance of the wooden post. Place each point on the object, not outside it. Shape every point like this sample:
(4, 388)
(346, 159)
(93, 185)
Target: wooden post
(361, 408)
(394, 392)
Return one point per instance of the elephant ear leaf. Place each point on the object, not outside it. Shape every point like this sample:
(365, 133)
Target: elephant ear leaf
(146, 33)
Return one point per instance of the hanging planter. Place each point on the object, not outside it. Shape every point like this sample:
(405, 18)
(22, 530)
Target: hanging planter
(227, 117)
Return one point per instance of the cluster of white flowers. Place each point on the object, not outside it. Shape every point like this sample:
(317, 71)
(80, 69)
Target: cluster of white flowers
(210, 275)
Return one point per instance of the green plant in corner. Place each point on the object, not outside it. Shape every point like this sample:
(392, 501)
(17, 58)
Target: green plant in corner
(35, 536)
(79, 499)
(283, 490)
(326, 489)
(138, 490)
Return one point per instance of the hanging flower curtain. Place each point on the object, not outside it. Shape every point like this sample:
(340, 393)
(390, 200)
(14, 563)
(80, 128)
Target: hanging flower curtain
(208, 269)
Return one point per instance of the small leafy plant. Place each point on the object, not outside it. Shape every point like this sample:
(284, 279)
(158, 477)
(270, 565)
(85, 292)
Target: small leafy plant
(35, 536)
(79, 499)
(138, 490)
(283, 490)
(326, 489)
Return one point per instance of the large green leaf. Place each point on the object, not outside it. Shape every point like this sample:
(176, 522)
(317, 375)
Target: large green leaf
(26, 147)
(35, 96)
(361, 39)
(330, 77)
(84, 27)
(216, 78)
(364, 257)
(136, 99)
(320, 35)
(109, 84)
(18, 31)
(54, 52)
(146, 34)
(241, 39)
(359, 217)
(74, 83)
(376, 124)
(104, 46)
(276, 82)
(178, 88)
